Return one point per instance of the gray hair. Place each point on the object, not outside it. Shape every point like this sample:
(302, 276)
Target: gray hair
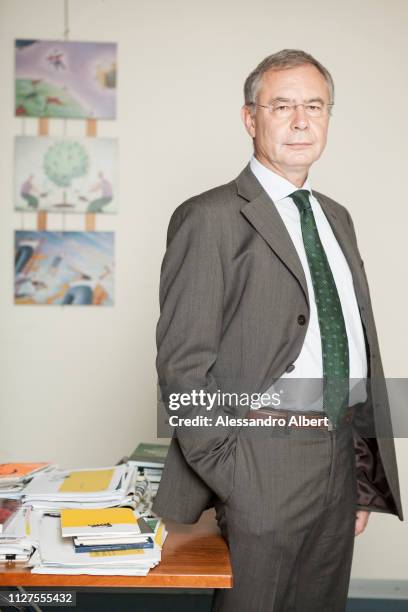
(287, 58)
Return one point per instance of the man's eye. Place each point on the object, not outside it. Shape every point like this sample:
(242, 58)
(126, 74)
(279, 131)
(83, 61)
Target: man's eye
(282, 107)
(314, 107)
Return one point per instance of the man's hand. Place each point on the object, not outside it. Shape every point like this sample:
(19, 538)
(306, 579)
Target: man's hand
(361, 521)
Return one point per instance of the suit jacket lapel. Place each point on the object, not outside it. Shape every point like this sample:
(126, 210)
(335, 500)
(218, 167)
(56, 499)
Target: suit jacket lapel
(261, 212)
(263, 215)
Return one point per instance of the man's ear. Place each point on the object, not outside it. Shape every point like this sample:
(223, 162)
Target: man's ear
(248, 119)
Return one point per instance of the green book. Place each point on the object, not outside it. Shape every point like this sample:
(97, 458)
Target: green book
(149, 455)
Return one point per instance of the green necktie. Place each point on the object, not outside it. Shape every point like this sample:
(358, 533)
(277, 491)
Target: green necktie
(331, 322)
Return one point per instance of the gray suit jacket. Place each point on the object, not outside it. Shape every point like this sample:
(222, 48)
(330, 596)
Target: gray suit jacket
(232, 290)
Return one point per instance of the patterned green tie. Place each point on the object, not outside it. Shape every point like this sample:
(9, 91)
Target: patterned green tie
(331, 322)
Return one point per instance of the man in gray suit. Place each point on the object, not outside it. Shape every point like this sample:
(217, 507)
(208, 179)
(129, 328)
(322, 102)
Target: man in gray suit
(263, 291)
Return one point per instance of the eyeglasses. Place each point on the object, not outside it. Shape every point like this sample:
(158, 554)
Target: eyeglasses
(283, 110)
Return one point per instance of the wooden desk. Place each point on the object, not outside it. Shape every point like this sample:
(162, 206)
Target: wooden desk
(193, 556)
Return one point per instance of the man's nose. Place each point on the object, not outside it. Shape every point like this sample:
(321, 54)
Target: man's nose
(300, 119)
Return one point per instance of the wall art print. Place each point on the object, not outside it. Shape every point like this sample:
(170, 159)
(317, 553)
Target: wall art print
(69, 268)
(65, 175)
(66, 79)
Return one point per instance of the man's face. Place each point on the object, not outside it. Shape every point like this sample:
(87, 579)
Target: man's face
(289, 145)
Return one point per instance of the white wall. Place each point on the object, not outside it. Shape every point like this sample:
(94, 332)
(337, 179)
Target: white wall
(78, 385)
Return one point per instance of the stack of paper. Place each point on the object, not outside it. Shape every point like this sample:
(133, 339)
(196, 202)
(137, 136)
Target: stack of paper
(86, 488)
(102, 529)
(149, 459)
(151, 533)
(57, 555)
(21, 536)
(14, 477)
(141, 499)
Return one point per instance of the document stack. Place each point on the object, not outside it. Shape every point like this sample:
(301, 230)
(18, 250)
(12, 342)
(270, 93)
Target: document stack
(142, 500)
(15, 476)
(82, 488)
(149, 460)
(20, 536)
(113, 541)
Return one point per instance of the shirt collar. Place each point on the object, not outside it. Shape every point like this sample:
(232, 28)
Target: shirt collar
(275, 185)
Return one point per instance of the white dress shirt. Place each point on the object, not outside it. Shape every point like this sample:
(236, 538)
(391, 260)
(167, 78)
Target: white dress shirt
(309, 363)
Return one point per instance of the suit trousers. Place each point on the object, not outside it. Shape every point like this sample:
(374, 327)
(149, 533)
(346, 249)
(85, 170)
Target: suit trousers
(289, 521)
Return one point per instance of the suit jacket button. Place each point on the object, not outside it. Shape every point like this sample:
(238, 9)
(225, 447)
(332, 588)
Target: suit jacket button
(301, 319)
(290, 368)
